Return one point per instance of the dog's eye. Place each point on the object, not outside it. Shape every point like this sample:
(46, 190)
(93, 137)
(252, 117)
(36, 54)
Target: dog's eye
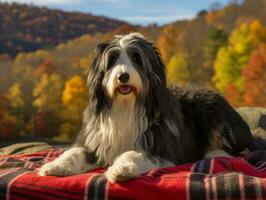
(112, 60)
(136, 58)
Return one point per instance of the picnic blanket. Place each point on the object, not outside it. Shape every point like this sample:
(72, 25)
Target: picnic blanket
(219, 178)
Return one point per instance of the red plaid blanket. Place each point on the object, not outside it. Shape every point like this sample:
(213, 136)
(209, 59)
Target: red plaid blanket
(220, 178)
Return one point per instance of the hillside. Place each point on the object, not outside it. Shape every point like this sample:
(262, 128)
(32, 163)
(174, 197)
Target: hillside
(222, 49)
(28, 28)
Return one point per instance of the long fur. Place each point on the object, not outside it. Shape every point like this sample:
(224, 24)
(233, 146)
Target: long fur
(171, 124)
(160, 125)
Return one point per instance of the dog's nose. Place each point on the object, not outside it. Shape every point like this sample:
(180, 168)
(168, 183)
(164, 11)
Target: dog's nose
(123, 77)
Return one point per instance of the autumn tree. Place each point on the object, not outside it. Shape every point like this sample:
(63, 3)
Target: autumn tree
(47, 92)
(15, 95)
(18, 108)
(47, 67)
(75, 94)
(74, 99)
(47, 102)
(232, 58)
(254, 75)
(7, 121)
(167, 40)
(177, 71)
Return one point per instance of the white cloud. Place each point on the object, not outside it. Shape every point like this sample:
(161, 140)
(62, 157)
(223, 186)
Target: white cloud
(47, 2)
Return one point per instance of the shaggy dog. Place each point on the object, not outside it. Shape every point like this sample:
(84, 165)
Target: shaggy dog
(134, 123)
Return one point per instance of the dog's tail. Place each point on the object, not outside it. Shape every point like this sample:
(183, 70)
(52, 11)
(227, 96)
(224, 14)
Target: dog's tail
(258, 143)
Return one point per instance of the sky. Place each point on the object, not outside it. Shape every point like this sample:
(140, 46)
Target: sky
(140, 12)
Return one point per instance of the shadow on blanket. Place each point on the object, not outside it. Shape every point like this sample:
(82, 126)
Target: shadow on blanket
(220, 178)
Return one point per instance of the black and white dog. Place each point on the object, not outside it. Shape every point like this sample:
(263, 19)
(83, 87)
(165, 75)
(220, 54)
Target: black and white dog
(134, 123)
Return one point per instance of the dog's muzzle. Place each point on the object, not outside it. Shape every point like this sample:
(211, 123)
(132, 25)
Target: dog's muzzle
(124, 88)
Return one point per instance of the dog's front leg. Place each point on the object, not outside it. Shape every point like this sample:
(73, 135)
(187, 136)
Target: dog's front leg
(132, 164)
(71, 162)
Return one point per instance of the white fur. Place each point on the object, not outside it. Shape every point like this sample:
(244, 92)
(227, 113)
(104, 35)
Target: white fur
(123, 65)
(118, 131)
(124, 39)
(172, 126)
(132, 164)
(71, 162)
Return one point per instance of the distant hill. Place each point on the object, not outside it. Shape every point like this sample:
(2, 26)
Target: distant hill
(25, 28)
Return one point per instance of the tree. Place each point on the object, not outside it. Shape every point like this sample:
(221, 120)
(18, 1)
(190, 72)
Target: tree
(202, 13)
(177, 69)
(47, 93)
(46, 66)
(216, 38)
(75, 94)
(18, 108)
(7, 121)
(232, 59)
(254, 75)
(74, 99)
(15, 95)
(167, 40)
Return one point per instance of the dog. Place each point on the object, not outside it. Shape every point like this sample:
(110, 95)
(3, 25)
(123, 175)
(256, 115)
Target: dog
(134, 123)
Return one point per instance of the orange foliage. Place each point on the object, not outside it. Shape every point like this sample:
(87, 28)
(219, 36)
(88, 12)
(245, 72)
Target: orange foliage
(254, 75)
(212, 16)
(232, 95)
(124, 29)
(46, 67)
(166, 40)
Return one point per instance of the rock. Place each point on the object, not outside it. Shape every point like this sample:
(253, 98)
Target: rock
(255, 118)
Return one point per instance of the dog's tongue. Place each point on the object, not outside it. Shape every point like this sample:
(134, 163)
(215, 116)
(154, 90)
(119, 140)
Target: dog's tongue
(125, 89)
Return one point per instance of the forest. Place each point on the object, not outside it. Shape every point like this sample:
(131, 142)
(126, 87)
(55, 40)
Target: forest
(27, 28)
(43, 90)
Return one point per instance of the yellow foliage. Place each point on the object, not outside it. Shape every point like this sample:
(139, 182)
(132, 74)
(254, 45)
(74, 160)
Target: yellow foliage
(85, 63)
(15, 96)
(232, 59)
(74, 99)
(75, 92)
(177, 69)
(48, 92)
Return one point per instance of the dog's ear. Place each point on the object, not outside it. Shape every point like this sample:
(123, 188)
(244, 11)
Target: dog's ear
(97, 95)
(156, 100)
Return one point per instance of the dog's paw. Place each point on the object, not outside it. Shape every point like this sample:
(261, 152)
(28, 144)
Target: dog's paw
(120, 173)
(56, 169)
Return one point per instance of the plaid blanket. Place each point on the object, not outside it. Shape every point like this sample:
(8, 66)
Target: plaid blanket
(220, 178)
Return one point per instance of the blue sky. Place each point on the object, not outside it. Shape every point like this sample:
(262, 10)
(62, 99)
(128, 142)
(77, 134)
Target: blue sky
(134, 11)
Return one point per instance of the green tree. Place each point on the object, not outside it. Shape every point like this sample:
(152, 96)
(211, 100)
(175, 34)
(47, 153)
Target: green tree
(216, 38)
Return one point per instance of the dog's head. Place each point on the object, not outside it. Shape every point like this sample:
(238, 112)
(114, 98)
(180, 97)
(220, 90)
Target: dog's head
(126, 69)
